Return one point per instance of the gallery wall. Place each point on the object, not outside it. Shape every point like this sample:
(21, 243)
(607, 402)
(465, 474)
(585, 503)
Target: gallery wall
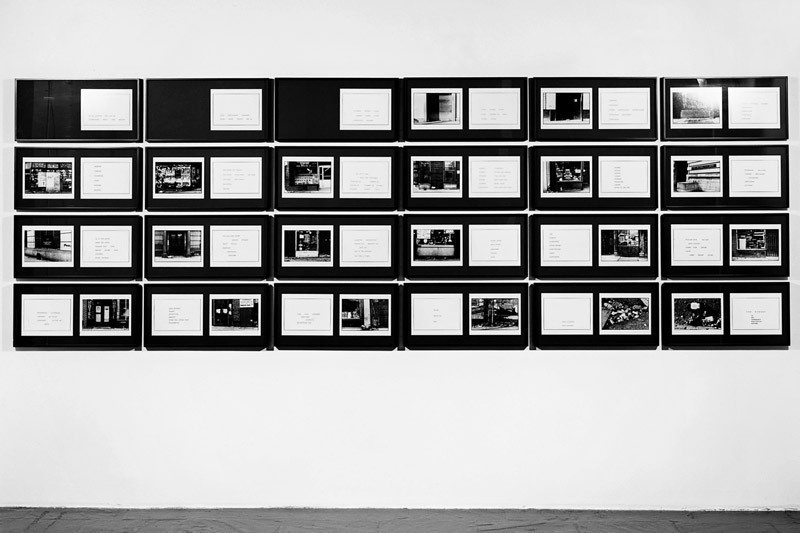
(547, 429)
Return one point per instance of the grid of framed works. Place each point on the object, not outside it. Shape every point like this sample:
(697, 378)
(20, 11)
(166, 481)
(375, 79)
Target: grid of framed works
(401, 213)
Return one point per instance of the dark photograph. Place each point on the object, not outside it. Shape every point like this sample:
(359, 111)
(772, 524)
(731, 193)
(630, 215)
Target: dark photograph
(436, 245)
(48, 177)
(624, 246)
(436, 108)
(47, 246)
(567, 108)
(697, 314)
(364, 314)
(307, 246)
(699, 107)
(494, 315)
(435, 177)
(178, 246)
(178, 178)
(105, 314)
(306, 177)
(234, 315)
(567, 176)
(755, 245)
(697, 176)
(624, 314)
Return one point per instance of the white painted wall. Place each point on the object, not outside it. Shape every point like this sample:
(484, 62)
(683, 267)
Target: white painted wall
(564, 429)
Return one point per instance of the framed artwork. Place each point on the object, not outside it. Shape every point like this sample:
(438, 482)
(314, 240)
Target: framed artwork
(208, 316)
(336, 247)
(594, 177)
(465, 109)
(209, 110)
(465, 246)
(208, 179)
(466, 316)
(208, 247)
(78, 316)
(78, 110)
(593, 109)
(724, 108)
(77, 179)
(465, 177)
(594, 315)
(724, 177)
(713, 314)
(333, 178)
(727, 246)
(594, 246)
(90, 247)
(337, 109)
(342, 316)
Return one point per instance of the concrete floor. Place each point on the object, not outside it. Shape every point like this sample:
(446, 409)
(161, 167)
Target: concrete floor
(56, 520)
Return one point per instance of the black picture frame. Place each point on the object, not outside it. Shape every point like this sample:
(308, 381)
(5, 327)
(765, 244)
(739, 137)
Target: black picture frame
(465, 156)
(194, 263)
(285, 201)
(465, 339)
(50, 111)
(49, 248)
(720, 157)
(201, 294)
(328, 256)
(724, 132)
(591, 268)
(79, 201)
(769, 244)
(715, 291)
(338, 339)
(207, 202)
(590, 128)
(465, 132)
(460, 244)
(552, 197)
(75, 339)
(309, 110)
(179, 110)
(601, 314)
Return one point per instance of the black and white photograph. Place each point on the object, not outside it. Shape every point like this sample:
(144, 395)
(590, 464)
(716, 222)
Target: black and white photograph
(177, 246)
(697, 314)
(436, 109)
(696, 107)
(178, 178)
(625, 314)
(48, 177)
(105, 315)
(624, 245)
(754, 246)
(234, 314)
(566, 176)
(47, 246)
(365, 314)
(438, 245)
(436, 177)
(566, 108)
(307, 246)
(307, 177)
(696, 176)
(494, 314)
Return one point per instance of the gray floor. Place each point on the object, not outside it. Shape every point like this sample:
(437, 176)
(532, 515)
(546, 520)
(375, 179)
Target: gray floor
(389, 521)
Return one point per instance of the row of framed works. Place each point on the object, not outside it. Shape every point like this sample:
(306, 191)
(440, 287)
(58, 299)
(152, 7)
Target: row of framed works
(395, 109)
(581, 177)
(389, 247)
(413, 315)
